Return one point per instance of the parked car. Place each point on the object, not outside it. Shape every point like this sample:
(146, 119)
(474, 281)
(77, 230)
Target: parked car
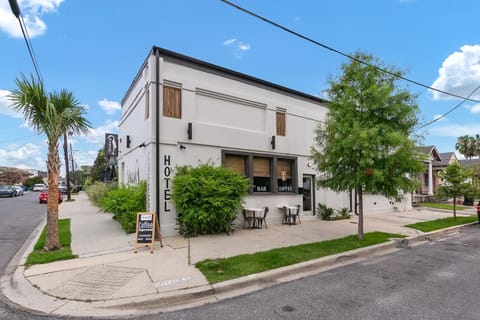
(43, 197)
(62, 189)
(19, 190)
(9, 191)
(38, 187)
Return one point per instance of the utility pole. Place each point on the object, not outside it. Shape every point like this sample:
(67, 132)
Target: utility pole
(73, 166)
(67, 176)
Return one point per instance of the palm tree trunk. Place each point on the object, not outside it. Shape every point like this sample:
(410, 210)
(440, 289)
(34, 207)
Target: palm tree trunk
(360, 213)
(53, 168)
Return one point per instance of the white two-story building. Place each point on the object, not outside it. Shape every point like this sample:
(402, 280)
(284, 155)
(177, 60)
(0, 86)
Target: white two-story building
(183, 111)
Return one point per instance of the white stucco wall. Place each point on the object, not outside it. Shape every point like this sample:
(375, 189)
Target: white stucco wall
(227, 113)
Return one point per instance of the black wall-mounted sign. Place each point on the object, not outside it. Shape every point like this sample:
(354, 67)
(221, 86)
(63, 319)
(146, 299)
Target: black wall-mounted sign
(111, 145)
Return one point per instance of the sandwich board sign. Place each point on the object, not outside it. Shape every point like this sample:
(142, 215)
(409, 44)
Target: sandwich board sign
(147, 229)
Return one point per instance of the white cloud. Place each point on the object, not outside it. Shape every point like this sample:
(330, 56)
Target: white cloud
(28, 156)
(5, 105)
(32, 11)
(229, 42)
(239, 47)
(459, 73)
(475, 108)
(243, 46)
(454, 130)
(110, 107)
(97, 135)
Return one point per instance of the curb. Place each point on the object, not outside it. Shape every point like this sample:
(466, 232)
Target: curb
(186, 298)
(297, 271)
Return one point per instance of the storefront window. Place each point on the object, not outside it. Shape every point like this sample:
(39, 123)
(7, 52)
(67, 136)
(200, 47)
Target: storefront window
(267, 173)
(261, 174)
(237, 163)
(284, 175)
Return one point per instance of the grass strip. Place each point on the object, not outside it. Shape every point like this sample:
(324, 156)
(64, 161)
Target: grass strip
(219, 270)
(444, 206)
(438, 224)
(38, 255)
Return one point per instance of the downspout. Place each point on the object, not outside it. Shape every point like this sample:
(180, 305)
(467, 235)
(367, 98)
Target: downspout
(157, 136)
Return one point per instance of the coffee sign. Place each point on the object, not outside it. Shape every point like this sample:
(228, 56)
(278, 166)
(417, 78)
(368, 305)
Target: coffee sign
(146, 229)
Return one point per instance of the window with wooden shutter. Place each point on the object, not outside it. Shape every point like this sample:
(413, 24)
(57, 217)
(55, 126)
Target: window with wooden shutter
(236, 163)
(280, 123)
(284, 175)
(261, 174)
(172, 102)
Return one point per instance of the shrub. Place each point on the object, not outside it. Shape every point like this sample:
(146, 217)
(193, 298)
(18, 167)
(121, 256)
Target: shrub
(208, 198)
(343, 213)
(324, 212)
(97, 191)
(124, 202)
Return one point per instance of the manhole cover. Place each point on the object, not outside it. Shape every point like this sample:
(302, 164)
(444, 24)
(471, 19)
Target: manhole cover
(288, 308)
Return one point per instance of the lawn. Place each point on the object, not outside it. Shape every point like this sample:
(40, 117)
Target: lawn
(438, 224)
(234, 267)
(444, 206)
(41, 256)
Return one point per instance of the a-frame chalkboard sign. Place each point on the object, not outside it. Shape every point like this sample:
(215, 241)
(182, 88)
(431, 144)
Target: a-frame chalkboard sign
(147, 230)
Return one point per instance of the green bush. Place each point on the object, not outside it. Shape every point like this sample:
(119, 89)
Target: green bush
(207, 198)
(97, 191)
(326, 213)
(124, 202)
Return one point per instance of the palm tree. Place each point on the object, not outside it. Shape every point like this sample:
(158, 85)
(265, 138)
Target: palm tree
(466, 145)
(50, 114)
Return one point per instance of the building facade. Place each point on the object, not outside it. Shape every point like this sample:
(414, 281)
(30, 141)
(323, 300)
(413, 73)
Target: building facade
(182, 111)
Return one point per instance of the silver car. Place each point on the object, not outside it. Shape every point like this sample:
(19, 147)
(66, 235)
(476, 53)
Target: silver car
(19, 190)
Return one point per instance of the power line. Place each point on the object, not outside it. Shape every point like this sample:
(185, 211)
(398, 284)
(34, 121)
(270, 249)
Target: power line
(17, 13)
(455, 107)
(277, 25)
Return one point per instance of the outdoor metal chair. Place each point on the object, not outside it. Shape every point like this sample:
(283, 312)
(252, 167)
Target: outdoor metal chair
(262, 218)
(247, 219)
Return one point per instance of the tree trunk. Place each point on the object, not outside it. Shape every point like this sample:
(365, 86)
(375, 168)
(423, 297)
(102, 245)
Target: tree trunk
(455, 207)
(53, 168)
(360, 213)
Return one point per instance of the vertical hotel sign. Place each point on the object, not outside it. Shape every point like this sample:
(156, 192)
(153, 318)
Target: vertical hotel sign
(167, 177)
(111, 145)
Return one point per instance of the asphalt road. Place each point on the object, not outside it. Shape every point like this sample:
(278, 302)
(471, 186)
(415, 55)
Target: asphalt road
(437, 280)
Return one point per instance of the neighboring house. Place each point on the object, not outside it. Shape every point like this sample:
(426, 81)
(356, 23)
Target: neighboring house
(446, 159)
(207, 113)
(427, 178)
(430, 180)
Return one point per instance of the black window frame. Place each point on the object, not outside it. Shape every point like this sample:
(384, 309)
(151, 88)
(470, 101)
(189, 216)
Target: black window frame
(273, 170)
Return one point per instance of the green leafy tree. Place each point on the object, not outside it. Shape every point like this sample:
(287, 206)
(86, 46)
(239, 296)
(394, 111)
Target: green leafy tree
(99, 166)
(30, 182)
(456, 183)
(365, 143)
(51, 114)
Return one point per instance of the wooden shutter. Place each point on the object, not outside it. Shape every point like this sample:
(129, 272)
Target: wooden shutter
(284, 165)
(172, 102)
(236, 163)
(261, 167)
(280, 123)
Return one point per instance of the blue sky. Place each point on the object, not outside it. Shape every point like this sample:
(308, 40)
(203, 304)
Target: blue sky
(95, 48)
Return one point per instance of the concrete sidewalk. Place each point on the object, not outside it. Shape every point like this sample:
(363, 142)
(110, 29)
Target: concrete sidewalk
(108, 279)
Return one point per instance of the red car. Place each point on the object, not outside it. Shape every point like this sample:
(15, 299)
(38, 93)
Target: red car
(43, 197)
